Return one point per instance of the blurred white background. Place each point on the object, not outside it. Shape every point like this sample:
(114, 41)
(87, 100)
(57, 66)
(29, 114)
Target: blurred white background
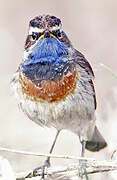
(92, 28)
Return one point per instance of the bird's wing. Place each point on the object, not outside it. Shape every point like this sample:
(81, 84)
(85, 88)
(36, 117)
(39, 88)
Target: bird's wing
(82, 61)
(86, 68)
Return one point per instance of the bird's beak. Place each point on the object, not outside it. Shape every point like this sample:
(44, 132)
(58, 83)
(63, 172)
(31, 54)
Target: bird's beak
(47, 35)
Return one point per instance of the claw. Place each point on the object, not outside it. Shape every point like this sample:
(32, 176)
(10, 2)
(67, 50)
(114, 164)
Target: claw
(43, 169)
(82, 169)
(36, 171)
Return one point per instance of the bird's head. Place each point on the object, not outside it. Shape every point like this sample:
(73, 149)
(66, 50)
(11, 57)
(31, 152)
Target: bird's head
(45, 39)
(46, 49)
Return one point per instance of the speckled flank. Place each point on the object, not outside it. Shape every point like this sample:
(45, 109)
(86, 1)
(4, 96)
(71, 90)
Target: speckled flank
(50, 91)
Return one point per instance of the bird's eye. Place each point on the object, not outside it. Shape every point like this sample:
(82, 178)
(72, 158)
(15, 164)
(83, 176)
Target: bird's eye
(57, 33)
(34, 36)
(39, 34)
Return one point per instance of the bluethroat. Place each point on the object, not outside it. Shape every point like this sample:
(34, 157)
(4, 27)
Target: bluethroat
(54, 84)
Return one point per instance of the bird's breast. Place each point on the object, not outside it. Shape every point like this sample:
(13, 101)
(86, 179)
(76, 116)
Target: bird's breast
(50, 90)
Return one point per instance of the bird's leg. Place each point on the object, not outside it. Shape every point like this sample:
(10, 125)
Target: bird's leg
(47, 161)
(83, 148)
(82, 170)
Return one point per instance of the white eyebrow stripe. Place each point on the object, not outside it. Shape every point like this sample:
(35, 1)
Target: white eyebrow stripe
(54, 28)
(35, 29)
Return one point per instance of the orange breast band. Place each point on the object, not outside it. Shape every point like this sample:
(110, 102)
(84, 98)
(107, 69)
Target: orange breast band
(51, 91)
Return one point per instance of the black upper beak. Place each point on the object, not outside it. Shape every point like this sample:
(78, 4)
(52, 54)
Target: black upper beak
(47, 35)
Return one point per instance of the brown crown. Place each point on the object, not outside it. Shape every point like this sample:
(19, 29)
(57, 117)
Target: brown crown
(44, 21)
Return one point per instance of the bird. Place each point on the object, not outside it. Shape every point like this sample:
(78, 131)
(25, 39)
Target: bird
(54, 86)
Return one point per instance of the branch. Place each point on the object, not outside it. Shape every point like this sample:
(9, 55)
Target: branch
(43, 154)
(72, 170)
(64, 172)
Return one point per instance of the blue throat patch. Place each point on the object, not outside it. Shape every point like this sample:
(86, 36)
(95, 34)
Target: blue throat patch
(47, 60)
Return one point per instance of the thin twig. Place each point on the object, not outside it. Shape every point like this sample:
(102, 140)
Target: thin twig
(43, 154)
(113, 153)
(109, 70)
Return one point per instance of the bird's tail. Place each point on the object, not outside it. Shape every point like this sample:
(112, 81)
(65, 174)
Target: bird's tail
(97, 142)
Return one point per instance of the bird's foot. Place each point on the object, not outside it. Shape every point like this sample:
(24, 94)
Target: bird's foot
(82, 170)
(42, 169)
